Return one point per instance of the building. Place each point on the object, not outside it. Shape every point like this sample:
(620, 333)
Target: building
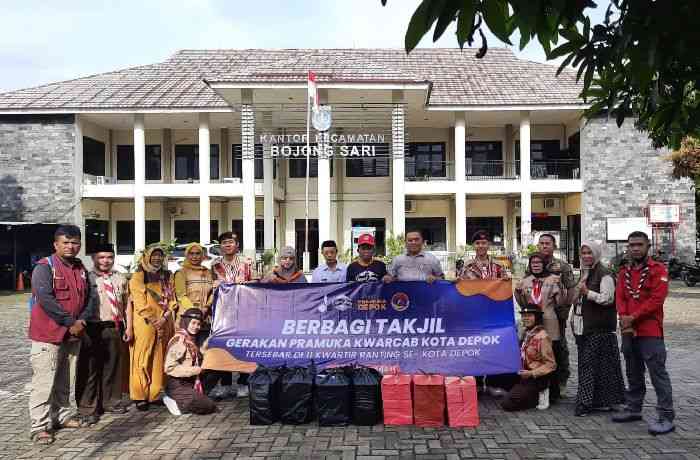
(460, 144)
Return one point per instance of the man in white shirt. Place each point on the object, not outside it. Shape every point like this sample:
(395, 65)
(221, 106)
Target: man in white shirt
(332, 271)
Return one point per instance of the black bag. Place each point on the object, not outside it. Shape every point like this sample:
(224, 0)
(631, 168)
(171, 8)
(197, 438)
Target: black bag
(367, 397)
(263, 386)
(296, 395)
(333, 396)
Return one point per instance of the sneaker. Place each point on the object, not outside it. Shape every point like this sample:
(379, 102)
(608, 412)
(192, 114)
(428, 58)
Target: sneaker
(627, 416)
(496, 392)
(543, 400)
(242, 391)
(661, 426)
(171, 405)
(581, 411)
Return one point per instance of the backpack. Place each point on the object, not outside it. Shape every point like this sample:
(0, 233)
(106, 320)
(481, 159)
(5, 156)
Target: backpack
(33, 300)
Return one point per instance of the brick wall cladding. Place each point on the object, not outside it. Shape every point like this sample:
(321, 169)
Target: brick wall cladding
(622, 173)
(37, 154)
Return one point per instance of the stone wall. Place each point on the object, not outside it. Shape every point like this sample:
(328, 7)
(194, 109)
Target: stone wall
(37, 154)
(622, 174)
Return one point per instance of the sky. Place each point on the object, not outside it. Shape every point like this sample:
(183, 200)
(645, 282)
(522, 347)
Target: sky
(44, 42)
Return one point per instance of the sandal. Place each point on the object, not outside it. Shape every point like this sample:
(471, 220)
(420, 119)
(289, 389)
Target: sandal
(76, 422)
(43, 437)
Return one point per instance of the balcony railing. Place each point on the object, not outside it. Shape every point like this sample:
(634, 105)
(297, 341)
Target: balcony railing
(89, 179)
(417, 170)
(555, 169)
(492, 170)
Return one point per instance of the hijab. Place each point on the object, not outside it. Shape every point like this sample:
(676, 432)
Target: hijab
(145, 260)
(187, 263)
(595, 249)
(289, 273)
(544, 273)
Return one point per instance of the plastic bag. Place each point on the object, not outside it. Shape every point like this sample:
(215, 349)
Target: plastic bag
(263, 386)
(367, 396)
(333, 397)
(296, 395)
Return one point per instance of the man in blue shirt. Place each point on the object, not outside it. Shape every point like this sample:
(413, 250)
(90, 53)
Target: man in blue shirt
(332, 271)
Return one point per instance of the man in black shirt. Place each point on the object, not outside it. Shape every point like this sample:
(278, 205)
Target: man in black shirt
(366, 268)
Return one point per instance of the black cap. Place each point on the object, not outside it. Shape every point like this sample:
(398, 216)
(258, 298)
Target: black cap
(531, 308)
(104, 247)
(193, 313)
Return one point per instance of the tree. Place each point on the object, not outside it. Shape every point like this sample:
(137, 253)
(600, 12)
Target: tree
(642, 60)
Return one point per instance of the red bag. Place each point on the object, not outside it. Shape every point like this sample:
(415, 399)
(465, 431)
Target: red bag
(396, 399)
(429, 400)
(462, 405)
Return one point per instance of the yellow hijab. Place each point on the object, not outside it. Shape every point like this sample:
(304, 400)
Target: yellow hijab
(145, 260)
(187, 263)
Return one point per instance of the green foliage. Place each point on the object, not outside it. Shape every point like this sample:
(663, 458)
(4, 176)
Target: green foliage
(641, 60)
(395, 245)
(268, 258)
(346, 256)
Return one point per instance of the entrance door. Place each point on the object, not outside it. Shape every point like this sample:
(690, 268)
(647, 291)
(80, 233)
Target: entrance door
(300, 241)
(96, 233)
(574, 225)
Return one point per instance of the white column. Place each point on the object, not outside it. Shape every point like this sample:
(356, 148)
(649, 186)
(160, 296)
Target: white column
(324, 190)
(248, 162)
(397, 154)
(460, 179)
(525, 191)
(204, 172)
(139, 182)
(269, 198)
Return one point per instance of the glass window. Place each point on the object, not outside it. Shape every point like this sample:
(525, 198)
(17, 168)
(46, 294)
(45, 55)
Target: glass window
(96, 232)
(187, 162)
(377, 166)
(237, 228)
(93, 157)
(125, 162)
(126, 237)
(493, 225)
(297, 166)
(425, 159)
(379, 232)
(237, 165)
(433, 229)
(484, 158)
(541, 150)
(187, 231)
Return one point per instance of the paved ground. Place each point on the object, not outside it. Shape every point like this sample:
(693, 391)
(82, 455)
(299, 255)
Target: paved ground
(552, 434)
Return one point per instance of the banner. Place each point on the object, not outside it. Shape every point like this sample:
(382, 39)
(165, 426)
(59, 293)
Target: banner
(466, 328)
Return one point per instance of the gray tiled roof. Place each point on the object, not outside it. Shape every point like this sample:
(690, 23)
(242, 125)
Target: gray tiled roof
(457, 77)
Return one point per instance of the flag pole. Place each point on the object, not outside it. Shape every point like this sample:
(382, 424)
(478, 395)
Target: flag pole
(306, 263)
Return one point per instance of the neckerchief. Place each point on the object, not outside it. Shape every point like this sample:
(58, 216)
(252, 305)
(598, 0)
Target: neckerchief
(634, 293)
(536, 294)
(529, 335)
(112, 297)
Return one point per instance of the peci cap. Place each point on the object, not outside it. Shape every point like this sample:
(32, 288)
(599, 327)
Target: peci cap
(365, 238)
(481, 235)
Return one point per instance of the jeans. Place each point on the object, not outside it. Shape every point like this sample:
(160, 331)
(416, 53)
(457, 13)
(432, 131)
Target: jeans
(649, 353)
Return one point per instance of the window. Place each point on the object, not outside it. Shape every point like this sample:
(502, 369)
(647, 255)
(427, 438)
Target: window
(377, 166)
(125, 162)
(93, 157)
(425, 159)
(379, 232)
(484, 158)
(237, 165)
(433, 229)
(300, 240)
(96, 232)
(187, 162)
(541, 150)
(126, 238)
(237, 228)
(187, 231)
(297, 166)
(493, 225)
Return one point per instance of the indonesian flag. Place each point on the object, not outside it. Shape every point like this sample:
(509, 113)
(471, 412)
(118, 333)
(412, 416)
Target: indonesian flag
(313, 90)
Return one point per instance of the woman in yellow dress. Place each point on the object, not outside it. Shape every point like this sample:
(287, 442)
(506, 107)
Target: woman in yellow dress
(194, 287)
(153, 294)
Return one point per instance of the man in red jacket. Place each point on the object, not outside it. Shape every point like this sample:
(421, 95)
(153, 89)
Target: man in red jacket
(642, 286)
(57, 320)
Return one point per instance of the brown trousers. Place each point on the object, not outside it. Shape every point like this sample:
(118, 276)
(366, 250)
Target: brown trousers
(100, 373)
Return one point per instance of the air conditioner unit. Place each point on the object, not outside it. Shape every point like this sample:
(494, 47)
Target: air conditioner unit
(517, 204)
(410, 206)
(232, 180)
(551, 203)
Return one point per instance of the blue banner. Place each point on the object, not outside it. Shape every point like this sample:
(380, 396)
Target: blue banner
(466, 328)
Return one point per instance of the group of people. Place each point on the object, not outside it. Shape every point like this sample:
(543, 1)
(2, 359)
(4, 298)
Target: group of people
(144, 335)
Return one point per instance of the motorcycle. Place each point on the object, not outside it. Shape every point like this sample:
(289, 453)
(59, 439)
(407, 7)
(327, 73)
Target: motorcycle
(690, 274)
(675, 267)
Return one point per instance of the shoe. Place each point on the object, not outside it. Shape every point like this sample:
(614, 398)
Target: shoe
(581, 411)
(543, 400)
(142, 405)
(661, 426)
(171, 405)
(603, 409)
(496, 392)
(91, 419)
(242, 391)
(117, 409)
(627, 416)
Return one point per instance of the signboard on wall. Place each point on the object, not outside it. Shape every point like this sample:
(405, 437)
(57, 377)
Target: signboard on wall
(619, 228)
(664, 213)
